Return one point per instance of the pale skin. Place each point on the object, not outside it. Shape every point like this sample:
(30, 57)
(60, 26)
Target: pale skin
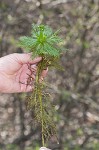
(44, 148)
(14, 72)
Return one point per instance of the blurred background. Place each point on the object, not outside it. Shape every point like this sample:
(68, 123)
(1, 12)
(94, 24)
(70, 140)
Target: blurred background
(75, 90)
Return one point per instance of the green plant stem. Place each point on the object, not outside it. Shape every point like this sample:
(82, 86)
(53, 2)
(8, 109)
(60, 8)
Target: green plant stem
(42, 121)
(40, 99)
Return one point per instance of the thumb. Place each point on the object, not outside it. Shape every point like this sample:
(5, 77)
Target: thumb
(26, 58)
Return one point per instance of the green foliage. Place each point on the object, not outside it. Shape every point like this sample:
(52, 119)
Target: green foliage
(3, 6)
(17, 147)
(12, 147)
(43, 42)
(96, 146)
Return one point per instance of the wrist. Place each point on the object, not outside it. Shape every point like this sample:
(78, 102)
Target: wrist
(2, 84)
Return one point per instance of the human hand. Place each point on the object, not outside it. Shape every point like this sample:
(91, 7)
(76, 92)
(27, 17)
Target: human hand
(15, 70)
(44, 148)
